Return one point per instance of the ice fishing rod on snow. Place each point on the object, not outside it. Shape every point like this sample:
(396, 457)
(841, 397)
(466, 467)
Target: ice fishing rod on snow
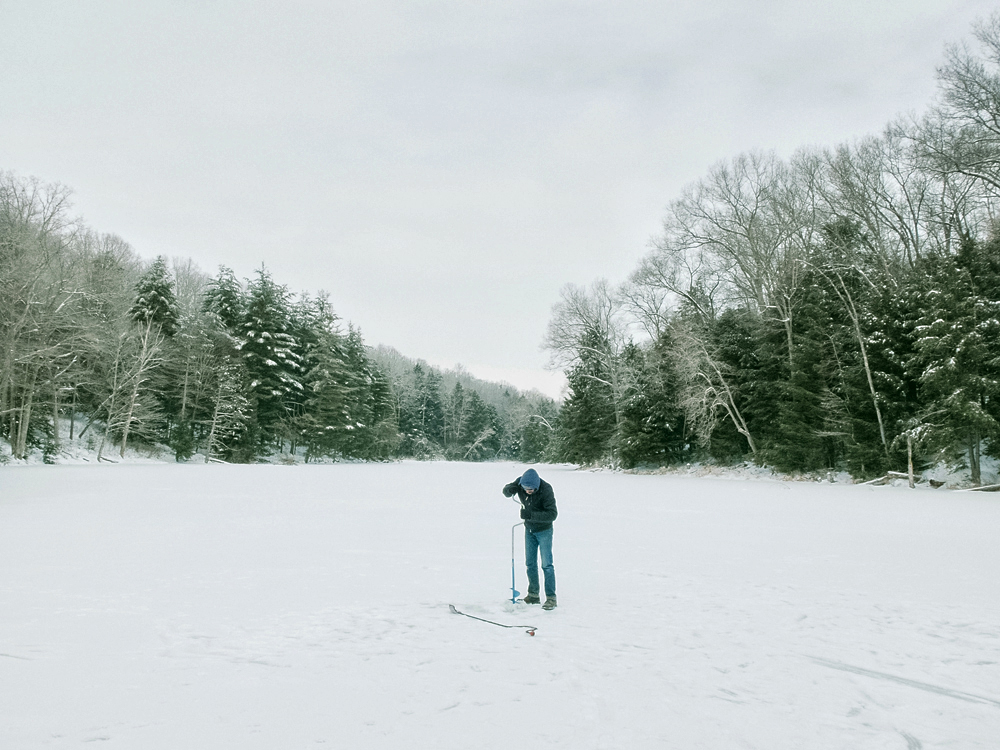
(529, 629)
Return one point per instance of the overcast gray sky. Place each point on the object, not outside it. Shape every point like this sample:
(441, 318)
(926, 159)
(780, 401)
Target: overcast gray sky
(442, 169)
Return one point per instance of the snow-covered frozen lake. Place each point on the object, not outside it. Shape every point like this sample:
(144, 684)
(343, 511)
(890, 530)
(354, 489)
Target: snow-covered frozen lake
(272, 607)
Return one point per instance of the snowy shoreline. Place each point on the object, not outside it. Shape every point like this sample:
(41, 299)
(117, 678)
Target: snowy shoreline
(84, 451)
(947, 477)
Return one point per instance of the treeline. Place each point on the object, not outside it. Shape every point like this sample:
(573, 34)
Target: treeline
(127, 351)
(837, 309)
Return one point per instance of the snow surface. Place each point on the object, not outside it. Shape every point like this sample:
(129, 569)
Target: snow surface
(184, 606)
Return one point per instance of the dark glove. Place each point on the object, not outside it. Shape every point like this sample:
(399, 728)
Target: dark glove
(524, 514)
(510, 489)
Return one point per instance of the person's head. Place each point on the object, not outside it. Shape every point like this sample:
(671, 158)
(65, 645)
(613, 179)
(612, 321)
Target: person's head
(530, 481)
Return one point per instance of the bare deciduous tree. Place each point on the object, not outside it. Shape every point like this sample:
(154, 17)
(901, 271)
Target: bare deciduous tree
(705, 390)
(128, 404)
(962, 134)
(742, 232)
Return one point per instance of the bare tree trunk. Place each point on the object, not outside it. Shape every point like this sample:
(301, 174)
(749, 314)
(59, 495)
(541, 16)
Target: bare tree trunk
(211, 432)
(144, 364)
(107, 429)
(852, 310)
(127, 422)
(112, 400)
(184, 390)
(705, 391)
(24, 417)
(24, 420)
(791, 343)
(871, 381)
(974, 462)
(55, 415)
(729, 404)
(72, 415)
(909, 458)
(5, 417)
(617, 397)
(484, 435)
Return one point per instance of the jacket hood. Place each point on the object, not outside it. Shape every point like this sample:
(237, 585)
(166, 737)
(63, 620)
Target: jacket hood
(530, 480)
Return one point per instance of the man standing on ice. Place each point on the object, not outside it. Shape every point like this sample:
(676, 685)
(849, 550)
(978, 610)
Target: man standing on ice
(538, 509)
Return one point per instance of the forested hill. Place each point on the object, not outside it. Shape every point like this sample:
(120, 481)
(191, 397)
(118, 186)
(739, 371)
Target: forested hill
(451, 414)
(398, 365)
(838, 308)
(96, 342)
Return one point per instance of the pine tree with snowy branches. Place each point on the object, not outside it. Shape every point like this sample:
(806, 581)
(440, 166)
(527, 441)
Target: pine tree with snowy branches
(155, 300)
(224, 298)
(270, 355)
(957, 353)
(323, 419)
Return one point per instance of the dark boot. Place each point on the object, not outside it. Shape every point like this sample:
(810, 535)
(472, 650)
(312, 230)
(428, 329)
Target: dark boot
(550, 602)
(531, 598)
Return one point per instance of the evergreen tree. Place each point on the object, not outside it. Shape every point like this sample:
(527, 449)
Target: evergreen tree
(155, 300)
(809, 424)
(322, 418)
(864, 378)
(534, 439)
(184, 381)
(370, 416)
(421, 419)
(957, 353)
(382, 437)
(652, 421)
(750, 357)
(231, 413)
(271, 358)
(455, 414)
(889, 321)
(587, 424)
(224, 298)
(478, 438)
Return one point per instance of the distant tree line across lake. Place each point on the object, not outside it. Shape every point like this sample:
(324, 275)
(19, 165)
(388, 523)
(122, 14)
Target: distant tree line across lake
(236, 370)
(839, 309)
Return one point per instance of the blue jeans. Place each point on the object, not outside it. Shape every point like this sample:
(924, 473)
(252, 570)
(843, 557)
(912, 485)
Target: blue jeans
(535, 542)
